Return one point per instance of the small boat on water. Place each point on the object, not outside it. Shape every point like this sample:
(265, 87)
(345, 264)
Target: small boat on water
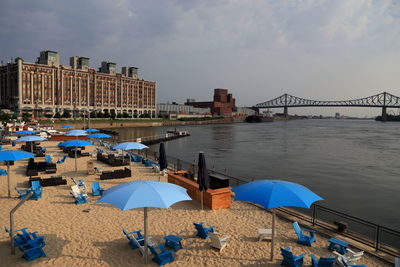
(264, 117)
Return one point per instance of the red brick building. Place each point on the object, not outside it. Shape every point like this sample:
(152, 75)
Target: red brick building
(223, 104)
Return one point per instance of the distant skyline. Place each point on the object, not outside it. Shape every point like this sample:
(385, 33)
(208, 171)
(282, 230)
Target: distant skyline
(258, 50)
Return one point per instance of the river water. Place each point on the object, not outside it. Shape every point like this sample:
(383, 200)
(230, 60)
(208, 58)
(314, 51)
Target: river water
(353, 165)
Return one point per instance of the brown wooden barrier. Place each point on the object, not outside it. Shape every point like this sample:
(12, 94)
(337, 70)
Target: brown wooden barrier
(212, 198)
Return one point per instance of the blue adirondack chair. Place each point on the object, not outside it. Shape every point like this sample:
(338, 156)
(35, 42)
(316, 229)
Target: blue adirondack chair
(29, 243)
(322, 262)
(291, 260)
(161, 256)
(302, 238)
(96, 189)
(136, 158)
(36, 188)
(61, 160)
(148, 163)
(202, 231)
(49, 158)
(80, 199)
(134, 235)
(32, 250)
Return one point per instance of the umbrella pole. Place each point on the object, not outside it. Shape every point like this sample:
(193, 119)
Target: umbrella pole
(12, 220)
(76, 159)
(201, 199)
(31, 147)
(130, 161)
(145, 236)
(273, 235)
(8, 179)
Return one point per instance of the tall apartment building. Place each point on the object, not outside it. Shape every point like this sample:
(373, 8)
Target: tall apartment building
(46, 87)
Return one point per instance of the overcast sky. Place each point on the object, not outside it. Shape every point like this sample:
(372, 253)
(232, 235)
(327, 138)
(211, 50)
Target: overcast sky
(259, 50)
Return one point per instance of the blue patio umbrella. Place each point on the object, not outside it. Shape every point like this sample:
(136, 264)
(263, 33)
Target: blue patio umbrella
(99, 135)
(25, 132)
(13, 155)
(144, 194)
(129, 146)
(76, 133)
(273, 194)
(31, 138)
(67, 127)
(92, 130)
(76, 144)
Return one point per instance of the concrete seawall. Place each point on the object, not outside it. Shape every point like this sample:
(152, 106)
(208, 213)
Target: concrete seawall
(116, 124)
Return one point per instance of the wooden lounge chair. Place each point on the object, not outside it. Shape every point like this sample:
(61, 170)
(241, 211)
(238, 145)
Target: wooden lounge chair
(302, 238)
(217, 242)
(348, 257)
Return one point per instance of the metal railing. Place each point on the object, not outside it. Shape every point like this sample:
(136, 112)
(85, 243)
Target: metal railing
(379, 237)
(373, 235)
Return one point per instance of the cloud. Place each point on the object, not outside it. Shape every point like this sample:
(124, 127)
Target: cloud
(258, 49)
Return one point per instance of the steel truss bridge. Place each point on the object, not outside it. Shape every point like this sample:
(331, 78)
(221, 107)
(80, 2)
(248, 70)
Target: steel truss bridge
(383, 100)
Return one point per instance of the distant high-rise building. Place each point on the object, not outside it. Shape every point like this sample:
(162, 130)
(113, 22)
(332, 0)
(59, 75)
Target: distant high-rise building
(46, 87)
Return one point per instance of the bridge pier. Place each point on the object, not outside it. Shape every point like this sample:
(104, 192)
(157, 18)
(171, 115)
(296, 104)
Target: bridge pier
(384, 115)
(285, 112)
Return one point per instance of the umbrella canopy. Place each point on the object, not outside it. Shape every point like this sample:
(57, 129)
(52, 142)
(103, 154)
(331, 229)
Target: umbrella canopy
(202, 176)
(92, 130)
(25, 132)
(3, 172)
(144, 194)
(99, 135)
(76, 133)
(13, 155)
(162, 159)
(129, 146)
(30, 138)
(67, 127)
(202, 173)
(273, 194)
(75, 143)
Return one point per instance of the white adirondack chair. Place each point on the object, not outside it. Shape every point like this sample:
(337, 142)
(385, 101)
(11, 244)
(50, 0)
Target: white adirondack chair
(264, 234)
(218, 242)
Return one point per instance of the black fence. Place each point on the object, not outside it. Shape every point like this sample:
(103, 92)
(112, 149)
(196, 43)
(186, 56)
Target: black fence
(378, 237)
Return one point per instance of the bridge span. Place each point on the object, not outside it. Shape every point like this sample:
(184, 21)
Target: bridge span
(383, 100)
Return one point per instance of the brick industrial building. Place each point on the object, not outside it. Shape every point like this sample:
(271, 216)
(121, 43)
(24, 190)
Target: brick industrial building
(46, 87)
(223, 104)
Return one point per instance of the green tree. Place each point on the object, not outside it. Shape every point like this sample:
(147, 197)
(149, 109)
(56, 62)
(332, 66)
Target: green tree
(93, 114)
(119, 115)
(99, 114)
(106, 114)
(57, 115)
(26, 116)
(66, 114)
(125, 115)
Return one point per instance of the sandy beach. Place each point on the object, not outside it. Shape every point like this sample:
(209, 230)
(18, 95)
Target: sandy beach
(78, 238)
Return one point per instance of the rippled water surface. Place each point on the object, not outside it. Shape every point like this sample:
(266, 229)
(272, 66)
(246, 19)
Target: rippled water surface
(353, 165)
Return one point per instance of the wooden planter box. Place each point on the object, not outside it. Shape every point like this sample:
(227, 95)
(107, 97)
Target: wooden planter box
(212, 198)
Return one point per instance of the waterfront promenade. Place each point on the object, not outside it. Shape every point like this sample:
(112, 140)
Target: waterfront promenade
(95, 238)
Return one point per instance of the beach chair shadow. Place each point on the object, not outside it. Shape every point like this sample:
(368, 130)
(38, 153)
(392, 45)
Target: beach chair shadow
(121, 249)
